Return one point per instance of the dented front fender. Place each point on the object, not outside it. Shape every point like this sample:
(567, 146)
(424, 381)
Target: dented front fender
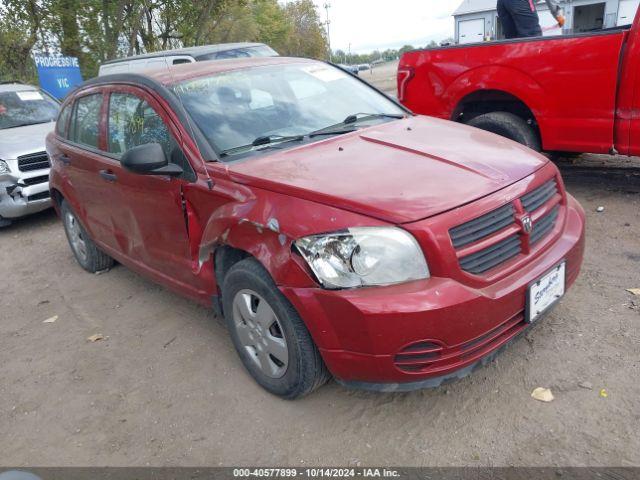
(264, 224)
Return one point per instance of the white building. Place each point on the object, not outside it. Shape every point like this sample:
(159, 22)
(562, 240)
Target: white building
(477, 20)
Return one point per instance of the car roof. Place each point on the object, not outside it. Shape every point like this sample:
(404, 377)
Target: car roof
(179, 73)
(160, 79)
(16, 87)
(190, 51)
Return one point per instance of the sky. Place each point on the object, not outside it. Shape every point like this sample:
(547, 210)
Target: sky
(379, 24)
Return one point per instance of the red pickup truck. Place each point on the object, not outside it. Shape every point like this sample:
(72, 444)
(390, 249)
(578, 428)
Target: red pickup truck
(575, 93)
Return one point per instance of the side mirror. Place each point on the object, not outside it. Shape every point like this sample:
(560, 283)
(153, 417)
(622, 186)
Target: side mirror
(149, 159)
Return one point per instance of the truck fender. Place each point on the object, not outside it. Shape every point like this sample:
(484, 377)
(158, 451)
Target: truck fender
(505, 79)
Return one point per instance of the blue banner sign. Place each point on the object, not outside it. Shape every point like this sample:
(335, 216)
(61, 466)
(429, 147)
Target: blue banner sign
(58, 75)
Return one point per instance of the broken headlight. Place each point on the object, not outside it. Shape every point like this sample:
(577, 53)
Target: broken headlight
(364, 256)
(4, 168)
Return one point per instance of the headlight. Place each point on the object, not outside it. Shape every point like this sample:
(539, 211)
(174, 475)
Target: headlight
(364, 257)
(4, 168)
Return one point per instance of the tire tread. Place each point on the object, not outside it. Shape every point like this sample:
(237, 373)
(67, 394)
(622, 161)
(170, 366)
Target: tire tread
(97, 260)
(502, 123)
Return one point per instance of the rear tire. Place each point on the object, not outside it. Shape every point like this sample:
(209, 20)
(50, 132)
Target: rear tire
(510, 126)
(270, 337)
(88, 255)
(4, 222)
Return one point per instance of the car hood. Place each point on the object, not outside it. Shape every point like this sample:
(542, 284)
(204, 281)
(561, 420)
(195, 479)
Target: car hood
(18, 141)
(399, 172)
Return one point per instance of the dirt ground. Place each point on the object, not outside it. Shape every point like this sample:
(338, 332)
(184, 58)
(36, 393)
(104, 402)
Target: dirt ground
(165, 387)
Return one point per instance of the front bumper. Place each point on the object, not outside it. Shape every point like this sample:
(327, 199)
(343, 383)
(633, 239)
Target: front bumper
(18, 199)
(361, 332)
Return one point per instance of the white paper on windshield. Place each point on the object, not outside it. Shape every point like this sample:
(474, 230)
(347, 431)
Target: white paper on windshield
(30, 95)
(326, 74)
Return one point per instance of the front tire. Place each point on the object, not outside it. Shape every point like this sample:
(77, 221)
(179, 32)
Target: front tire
(270, 337)
(88, 255)
(510, 126)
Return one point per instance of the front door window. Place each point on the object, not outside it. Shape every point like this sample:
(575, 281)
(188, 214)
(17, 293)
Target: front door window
(132, 122)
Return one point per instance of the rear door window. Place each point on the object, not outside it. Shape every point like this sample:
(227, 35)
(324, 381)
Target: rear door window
(85, 124)
(63, 120)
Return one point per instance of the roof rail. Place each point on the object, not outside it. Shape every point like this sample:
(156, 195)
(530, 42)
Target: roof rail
(5, 82)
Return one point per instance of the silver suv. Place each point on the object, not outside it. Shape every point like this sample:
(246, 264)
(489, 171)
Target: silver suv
(27, 115)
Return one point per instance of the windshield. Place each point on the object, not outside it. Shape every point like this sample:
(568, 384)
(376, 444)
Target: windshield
(26, 107)
(257, 105)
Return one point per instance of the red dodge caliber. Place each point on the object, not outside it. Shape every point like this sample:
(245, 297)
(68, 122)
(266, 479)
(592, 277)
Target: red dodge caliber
(338, 234)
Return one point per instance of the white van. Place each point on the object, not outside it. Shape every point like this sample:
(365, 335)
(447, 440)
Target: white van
(160, 60)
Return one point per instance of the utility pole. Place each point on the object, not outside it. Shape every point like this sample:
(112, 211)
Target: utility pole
(327, 6)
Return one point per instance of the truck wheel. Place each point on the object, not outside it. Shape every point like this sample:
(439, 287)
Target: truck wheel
(4, 222)
(269, 335)
(88, 255)
(510, 126)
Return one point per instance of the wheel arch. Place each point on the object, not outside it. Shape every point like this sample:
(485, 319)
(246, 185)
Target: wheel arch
(56, 199)
(499, 88)
(251, 227)
(486, 101)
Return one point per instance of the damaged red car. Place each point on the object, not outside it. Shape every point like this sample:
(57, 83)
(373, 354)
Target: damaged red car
(338, 234)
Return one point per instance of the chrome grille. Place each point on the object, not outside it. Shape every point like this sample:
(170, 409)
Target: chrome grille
(36, 180)
(33, 161)
(38, 196)
(543, 226)
(541, 195)
(482, 227)
(492, 256)
(498, 220)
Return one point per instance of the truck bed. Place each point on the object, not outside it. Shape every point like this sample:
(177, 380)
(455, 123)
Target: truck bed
(552, 76)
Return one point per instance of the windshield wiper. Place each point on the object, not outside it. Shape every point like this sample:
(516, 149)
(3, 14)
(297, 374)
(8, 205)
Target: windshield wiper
(270, 139)
(331, 131)
(348, 124)
(364, 116)
(266, 140)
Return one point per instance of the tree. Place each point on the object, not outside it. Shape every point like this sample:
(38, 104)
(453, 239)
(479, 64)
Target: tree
(20, 31)
(99, 30)
(405, 49)
(308, 37)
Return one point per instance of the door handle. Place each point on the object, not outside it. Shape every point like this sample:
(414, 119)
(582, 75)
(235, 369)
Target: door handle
(108, 175)
(64, 159)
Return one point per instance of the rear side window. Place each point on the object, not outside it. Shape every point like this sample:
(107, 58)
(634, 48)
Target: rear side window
(63, 120)
(85, 124)
(238, 53)
(133, 122)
